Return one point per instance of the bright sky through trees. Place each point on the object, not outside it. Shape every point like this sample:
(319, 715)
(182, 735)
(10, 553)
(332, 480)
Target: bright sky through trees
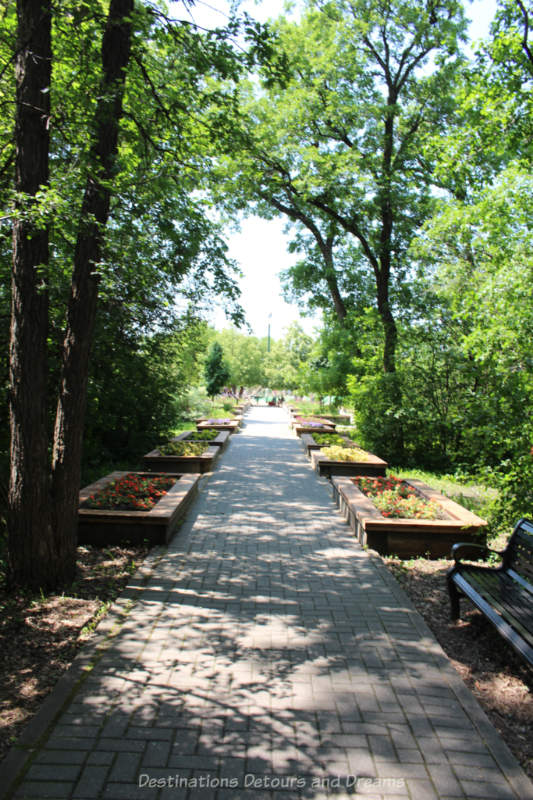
(260, 247)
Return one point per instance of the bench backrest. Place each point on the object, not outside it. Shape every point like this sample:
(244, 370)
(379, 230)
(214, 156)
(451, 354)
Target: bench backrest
(519, 552)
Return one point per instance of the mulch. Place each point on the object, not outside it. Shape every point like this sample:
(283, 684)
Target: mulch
(40, 635)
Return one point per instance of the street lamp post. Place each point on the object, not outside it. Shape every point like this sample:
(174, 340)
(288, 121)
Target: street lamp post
(268, 334)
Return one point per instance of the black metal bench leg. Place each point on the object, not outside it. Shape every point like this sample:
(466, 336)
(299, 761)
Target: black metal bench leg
(454, 599)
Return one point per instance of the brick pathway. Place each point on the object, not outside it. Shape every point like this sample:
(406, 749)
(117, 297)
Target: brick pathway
(267, 656)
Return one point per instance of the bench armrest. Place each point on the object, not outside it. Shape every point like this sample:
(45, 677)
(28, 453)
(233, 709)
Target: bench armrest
(484, 550)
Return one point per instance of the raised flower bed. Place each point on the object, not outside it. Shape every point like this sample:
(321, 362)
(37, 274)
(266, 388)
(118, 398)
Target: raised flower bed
(311, 425)
(347, 459)
(212, 437)
(316, 441)
(230, 424)
(402, 536)
(339, 419)
(182, 456)
(122, 507)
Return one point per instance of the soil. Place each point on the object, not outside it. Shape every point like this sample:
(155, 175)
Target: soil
(39, 637)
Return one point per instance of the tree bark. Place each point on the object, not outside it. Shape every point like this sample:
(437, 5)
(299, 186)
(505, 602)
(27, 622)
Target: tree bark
(35, 558)
(387, 320)
(81, 315)
(387, 222)
(326, 247)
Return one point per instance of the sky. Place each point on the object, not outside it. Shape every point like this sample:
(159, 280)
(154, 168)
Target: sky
(260, 247)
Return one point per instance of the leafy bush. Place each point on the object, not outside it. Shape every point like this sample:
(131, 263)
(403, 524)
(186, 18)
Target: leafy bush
(207, 435)
(194, 403)
(378, 415)
(514, 480)
(328, 438)
(182, 449)
(348, 430)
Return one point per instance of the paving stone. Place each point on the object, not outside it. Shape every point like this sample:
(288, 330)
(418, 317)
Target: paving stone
(126, 768)
(121, 745)
(487, 790)
(124, 791)
(421, 790)
(98, 757)
(41, 790)
(53, 772)
(91, 782)
(60, 757)
(444, 780)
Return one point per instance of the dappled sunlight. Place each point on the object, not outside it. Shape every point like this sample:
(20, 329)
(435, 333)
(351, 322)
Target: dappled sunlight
(268, 643)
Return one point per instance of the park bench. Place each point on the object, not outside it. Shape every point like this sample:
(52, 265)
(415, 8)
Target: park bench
(504, 594)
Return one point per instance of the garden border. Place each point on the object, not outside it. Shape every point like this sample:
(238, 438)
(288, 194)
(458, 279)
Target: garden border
(157, 526)
(407, 538)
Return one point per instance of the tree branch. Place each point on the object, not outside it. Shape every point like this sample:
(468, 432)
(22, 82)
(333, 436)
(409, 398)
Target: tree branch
(525, 43)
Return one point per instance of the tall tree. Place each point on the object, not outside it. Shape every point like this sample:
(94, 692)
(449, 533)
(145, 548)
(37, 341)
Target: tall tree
(43, 503)
(81, 314)
(32, 545)
(338, 140)
(119, 203)
(216, 370)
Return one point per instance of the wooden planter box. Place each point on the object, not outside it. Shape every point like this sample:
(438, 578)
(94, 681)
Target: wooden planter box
(309, 444)
(300, 428)
(340, 419)
(231, 426)
(157, 462)
(220, 438)
(108, 527)
(296, 419)
(408, 538)
(374, 466)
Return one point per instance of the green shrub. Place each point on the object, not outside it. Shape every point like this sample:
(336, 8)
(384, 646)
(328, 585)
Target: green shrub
(182, 449)
(514, 480)
(378, 415)
(328, 438)
(207, 435)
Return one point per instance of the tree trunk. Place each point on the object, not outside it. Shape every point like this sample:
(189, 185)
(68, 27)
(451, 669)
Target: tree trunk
(331, 278)
(35, 558)
(68, 433)
(387, 320)
(387, 222)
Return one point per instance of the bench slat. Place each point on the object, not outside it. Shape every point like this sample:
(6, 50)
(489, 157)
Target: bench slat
(503, 594)
(499, 594)
(503, 627)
